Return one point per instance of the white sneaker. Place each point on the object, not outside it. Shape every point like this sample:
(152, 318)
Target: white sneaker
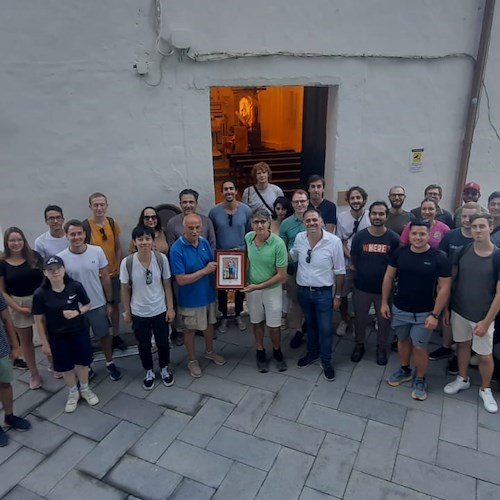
(241, 323)
(341, 329)
(459, 384)
(223, 326)
(490, 405)
(89, 396)
(72, 401)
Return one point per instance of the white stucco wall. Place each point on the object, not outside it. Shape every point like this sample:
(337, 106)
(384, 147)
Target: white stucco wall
(75, 117)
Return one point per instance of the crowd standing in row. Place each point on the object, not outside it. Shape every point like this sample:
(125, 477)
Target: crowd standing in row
(303, 261)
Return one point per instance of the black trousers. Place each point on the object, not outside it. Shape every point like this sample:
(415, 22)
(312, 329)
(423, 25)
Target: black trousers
(144, 328)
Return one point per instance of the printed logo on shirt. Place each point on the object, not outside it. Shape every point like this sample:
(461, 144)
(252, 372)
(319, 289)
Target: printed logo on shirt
(376, 248)
(72, 297)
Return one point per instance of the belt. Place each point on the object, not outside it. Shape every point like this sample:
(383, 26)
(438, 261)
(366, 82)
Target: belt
(316, 288)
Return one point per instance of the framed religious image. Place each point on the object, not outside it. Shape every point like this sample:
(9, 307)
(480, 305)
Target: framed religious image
(231, 269)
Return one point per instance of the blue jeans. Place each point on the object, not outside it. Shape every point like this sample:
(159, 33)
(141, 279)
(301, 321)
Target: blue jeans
(317, 307)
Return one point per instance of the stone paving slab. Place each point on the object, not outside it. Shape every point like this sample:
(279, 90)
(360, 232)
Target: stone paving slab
(226, 390)
(20, 493)
(250, 410)
(143, 413)
(190, 490)
(463, 430)
(241, 482)
(176, 398)
(310, 494)
(13, 470)
(291, 398)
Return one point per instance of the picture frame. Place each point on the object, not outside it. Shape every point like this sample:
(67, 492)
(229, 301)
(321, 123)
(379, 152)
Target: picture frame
(231, 269)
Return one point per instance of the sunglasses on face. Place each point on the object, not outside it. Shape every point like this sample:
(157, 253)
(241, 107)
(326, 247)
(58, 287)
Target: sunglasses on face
(150, 217)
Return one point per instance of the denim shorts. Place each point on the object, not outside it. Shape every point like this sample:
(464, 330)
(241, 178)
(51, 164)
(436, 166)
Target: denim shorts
(408, 324)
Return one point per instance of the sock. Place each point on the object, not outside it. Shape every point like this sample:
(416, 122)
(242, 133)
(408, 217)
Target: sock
(73, 389)
(83, 387)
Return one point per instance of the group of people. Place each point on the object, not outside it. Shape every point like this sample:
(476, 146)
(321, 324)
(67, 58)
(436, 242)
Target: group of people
(303, 262)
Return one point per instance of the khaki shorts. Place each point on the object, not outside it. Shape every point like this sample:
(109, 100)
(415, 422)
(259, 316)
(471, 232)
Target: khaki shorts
(265, 305)
(6, 374)
(20, 320)
(462, 332)
(198, 318)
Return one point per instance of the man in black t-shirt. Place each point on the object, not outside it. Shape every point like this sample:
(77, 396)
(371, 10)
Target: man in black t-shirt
(370, 252)
(420, 271)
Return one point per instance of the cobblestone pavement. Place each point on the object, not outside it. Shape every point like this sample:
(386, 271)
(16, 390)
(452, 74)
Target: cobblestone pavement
(238, 434)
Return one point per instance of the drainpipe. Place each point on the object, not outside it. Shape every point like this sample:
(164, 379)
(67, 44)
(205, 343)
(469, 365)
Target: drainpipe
(477, 80)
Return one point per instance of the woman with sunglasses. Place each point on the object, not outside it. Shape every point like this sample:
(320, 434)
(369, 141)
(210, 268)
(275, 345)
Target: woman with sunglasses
(20, 275)
(150, 218)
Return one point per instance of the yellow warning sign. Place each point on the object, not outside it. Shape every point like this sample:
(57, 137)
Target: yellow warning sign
(416, 157)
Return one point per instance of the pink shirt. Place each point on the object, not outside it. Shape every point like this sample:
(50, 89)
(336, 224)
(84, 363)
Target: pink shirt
(438, 230)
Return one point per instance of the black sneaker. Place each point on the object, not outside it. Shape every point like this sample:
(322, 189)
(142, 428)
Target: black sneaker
(394, 345)
(329, 373)
(453, 366)
(166, 376)
(4, 439)
(440, 353)
(114, 373)
(119, 343)
(262, 364)
(149, 380)
(297, 340)
(381, 356)
(306, 360)
(358, 353)
(18, 423)
(20, 364)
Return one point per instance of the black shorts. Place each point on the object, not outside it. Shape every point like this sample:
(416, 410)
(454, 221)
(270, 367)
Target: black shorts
(71, 350)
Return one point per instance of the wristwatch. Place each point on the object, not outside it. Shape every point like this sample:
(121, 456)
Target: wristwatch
(434, 315)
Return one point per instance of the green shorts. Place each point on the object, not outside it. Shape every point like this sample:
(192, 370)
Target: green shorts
(6, 374)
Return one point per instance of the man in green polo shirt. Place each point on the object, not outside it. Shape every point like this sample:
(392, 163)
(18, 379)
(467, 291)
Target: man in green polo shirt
(267, 263)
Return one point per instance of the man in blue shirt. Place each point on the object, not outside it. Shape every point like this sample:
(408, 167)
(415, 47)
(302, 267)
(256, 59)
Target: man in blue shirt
(231, 220)
(193, 266)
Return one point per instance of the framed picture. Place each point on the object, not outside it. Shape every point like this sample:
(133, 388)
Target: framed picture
(231, 269)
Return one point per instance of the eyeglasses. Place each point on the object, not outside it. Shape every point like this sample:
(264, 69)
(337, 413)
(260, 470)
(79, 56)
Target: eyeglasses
(55, 218)
(149, 277)
(397, 195)
(151, 217)
(230, 219)
(259, 222)
(103, 234)
(308, 257)
(300, 202)
(356, 226)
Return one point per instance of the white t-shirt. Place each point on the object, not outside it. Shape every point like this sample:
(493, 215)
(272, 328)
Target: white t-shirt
(85, 267)
(252, 199)
(47, 245)
(147, 300)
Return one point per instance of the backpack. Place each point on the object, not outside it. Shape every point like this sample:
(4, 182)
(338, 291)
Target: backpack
(130, 259)
(88, 230)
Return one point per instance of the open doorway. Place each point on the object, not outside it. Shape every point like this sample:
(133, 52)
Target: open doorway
(283, 126)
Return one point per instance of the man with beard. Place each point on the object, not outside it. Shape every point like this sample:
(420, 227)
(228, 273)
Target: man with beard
(420, 270)
(327, 209)
(231, 220)
(397, 218)
(435, 192)
(348, 224)
(370, 253)
(471, 194)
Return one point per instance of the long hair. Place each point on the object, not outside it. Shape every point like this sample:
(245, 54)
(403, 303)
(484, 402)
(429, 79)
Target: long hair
(27, 253)
(158, 220)
(285, 203)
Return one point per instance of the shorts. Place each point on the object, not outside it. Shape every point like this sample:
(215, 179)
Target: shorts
(71, 350)
(116, 289)
(20, 320)
(198, 318)
(265, 305)
(462, 332)
(6, 371)
(348, 283)
(408, 324)
(98, 320)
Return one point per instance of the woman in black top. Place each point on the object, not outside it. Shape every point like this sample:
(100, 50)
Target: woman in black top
(20, 276)
(58, 308)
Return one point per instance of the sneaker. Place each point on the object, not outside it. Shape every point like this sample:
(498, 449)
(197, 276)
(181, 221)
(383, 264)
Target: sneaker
(72, 401)
(149, 380)
(357, 353)
(114, 373)
(490, 405)
(223, 326)
(35, 382)
(297, 339)
(4, 439)
(18, 423)
(398, 377)
(154, 347)
(241, 323)
(341, 329)
(89, 396)
(216, 358)
(440, 353)
(329, 373)
(474, 360)
(262, 364)
(281, 364)
(419, 391)
(459, 384)
(119, 343)
(194, 369)
(306, 360)
(20, 364)
(453, 366)
(166, 376)
(284, 325)
(381, 356)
